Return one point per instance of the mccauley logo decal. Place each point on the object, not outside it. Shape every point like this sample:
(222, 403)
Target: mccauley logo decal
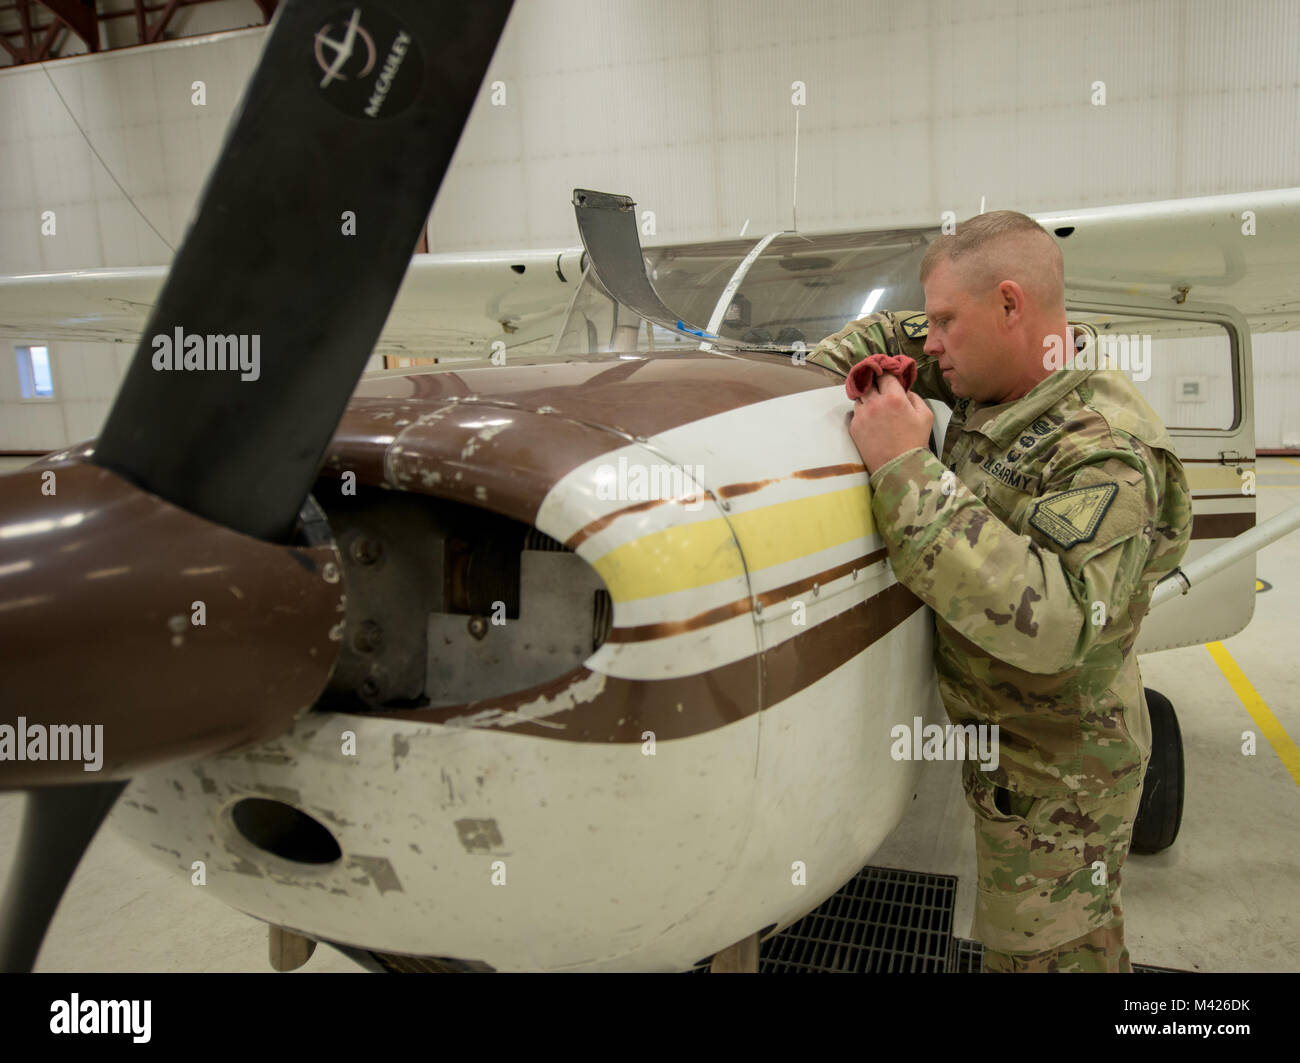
(346, 63)
(343, 50)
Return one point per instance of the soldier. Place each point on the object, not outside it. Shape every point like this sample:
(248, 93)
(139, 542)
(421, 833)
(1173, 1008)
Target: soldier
(1037, 541)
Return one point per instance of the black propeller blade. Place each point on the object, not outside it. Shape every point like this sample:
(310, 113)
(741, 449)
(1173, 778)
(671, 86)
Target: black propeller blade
(59, 823)
(289, 269)
(301, 239)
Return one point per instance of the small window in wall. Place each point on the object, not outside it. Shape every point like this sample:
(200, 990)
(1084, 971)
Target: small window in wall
(34, 377)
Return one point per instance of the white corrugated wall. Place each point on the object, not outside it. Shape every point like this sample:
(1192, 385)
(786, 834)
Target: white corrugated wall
(911, 109)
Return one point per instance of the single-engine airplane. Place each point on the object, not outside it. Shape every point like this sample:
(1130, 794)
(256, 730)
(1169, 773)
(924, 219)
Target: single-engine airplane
(562, 661)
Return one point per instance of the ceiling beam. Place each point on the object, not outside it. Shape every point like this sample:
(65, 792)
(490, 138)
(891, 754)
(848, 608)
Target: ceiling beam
(79, 16)
(25, 17)
(83, 18)
(154, 32)
(50, 34)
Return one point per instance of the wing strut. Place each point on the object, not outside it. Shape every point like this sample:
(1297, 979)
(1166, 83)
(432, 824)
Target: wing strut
(1181, 580)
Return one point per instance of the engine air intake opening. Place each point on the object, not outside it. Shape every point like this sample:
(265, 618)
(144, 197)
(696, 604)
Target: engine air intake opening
(283, 831)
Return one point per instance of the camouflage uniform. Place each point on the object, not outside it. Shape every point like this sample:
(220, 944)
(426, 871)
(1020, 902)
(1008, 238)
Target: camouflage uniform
(1036, 614)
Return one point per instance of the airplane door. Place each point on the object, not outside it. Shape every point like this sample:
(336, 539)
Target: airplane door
(1197, 377)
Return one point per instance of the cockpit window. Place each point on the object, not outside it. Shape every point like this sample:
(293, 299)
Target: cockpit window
(799, 290)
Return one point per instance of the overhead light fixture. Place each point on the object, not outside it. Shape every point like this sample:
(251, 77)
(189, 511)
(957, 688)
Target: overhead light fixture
(871, 302)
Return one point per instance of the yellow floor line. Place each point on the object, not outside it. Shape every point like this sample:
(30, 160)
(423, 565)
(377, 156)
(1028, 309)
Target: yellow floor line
(1291, 460)
(1287, 751)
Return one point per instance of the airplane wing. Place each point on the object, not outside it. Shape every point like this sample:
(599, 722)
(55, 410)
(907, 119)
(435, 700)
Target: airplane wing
(448, 302)
(1241, 249)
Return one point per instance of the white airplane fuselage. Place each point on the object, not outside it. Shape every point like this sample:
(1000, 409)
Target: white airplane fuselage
(720, 765)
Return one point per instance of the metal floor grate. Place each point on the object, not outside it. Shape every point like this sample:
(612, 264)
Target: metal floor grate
(883, 920)
(966, 957)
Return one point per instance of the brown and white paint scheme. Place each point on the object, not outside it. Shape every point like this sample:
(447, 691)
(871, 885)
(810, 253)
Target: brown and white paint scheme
(772, 740)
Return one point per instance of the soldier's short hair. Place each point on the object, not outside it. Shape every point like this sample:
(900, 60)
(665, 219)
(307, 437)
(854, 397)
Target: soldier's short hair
(1003, 245)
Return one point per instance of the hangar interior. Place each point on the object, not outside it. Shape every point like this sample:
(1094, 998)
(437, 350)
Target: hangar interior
(726, 121)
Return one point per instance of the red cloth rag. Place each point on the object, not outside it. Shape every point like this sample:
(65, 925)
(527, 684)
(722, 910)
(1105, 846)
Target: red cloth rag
(862, 377)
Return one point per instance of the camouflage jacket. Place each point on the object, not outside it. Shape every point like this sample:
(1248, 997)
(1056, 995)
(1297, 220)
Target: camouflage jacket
(1038, 557)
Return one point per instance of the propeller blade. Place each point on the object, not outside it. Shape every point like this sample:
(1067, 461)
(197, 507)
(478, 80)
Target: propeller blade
(58, 825)
(301, 239)
(272, 306)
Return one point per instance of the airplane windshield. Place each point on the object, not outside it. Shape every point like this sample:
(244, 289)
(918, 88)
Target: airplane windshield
(798, 290)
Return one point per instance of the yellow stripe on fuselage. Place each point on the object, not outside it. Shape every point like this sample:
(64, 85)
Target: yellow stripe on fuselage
(1214, 477)
(695, 555)
(776, 534)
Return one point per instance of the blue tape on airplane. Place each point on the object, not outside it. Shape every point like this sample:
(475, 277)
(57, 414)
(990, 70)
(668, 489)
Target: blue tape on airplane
(683, 327)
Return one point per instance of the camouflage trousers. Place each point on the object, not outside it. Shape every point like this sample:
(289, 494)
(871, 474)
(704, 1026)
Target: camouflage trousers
(1048, 877)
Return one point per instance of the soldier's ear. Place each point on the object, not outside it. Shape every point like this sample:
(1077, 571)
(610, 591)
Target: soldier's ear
(1011, 300)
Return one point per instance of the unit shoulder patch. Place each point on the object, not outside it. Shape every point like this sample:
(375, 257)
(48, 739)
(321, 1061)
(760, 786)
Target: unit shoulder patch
(1072, 516)
(915, 326)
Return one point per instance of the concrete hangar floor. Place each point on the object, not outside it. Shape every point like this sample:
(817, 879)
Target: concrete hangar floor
(1222, 898)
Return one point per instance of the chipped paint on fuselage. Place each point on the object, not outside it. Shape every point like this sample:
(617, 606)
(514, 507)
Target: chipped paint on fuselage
(544, 831)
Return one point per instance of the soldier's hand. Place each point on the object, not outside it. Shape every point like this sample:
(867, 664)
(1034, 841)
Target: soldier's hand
(887, 421)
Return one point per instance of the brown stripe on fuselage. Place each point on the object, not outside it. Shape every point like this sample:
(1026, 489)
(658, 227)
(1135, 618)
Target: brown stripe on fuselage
(1230, 494)
(1221, 525)
(728, 491)
(732, 490)
(644, 632)
(664, 628)
(823, 471)
(799, 662)
(1215, 461)
(689, 705)
(789, 590)
(819, 473)
(601, 523)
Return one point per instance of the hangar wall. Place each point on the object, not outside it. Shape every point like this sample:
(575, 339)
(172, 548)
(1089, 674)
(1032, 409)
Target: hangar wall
(911, 109)
(908, 110)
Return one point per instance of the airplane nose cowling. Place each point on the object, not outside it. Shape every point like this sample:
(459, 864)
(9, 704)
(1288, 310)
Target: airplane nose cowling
(145, 632)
